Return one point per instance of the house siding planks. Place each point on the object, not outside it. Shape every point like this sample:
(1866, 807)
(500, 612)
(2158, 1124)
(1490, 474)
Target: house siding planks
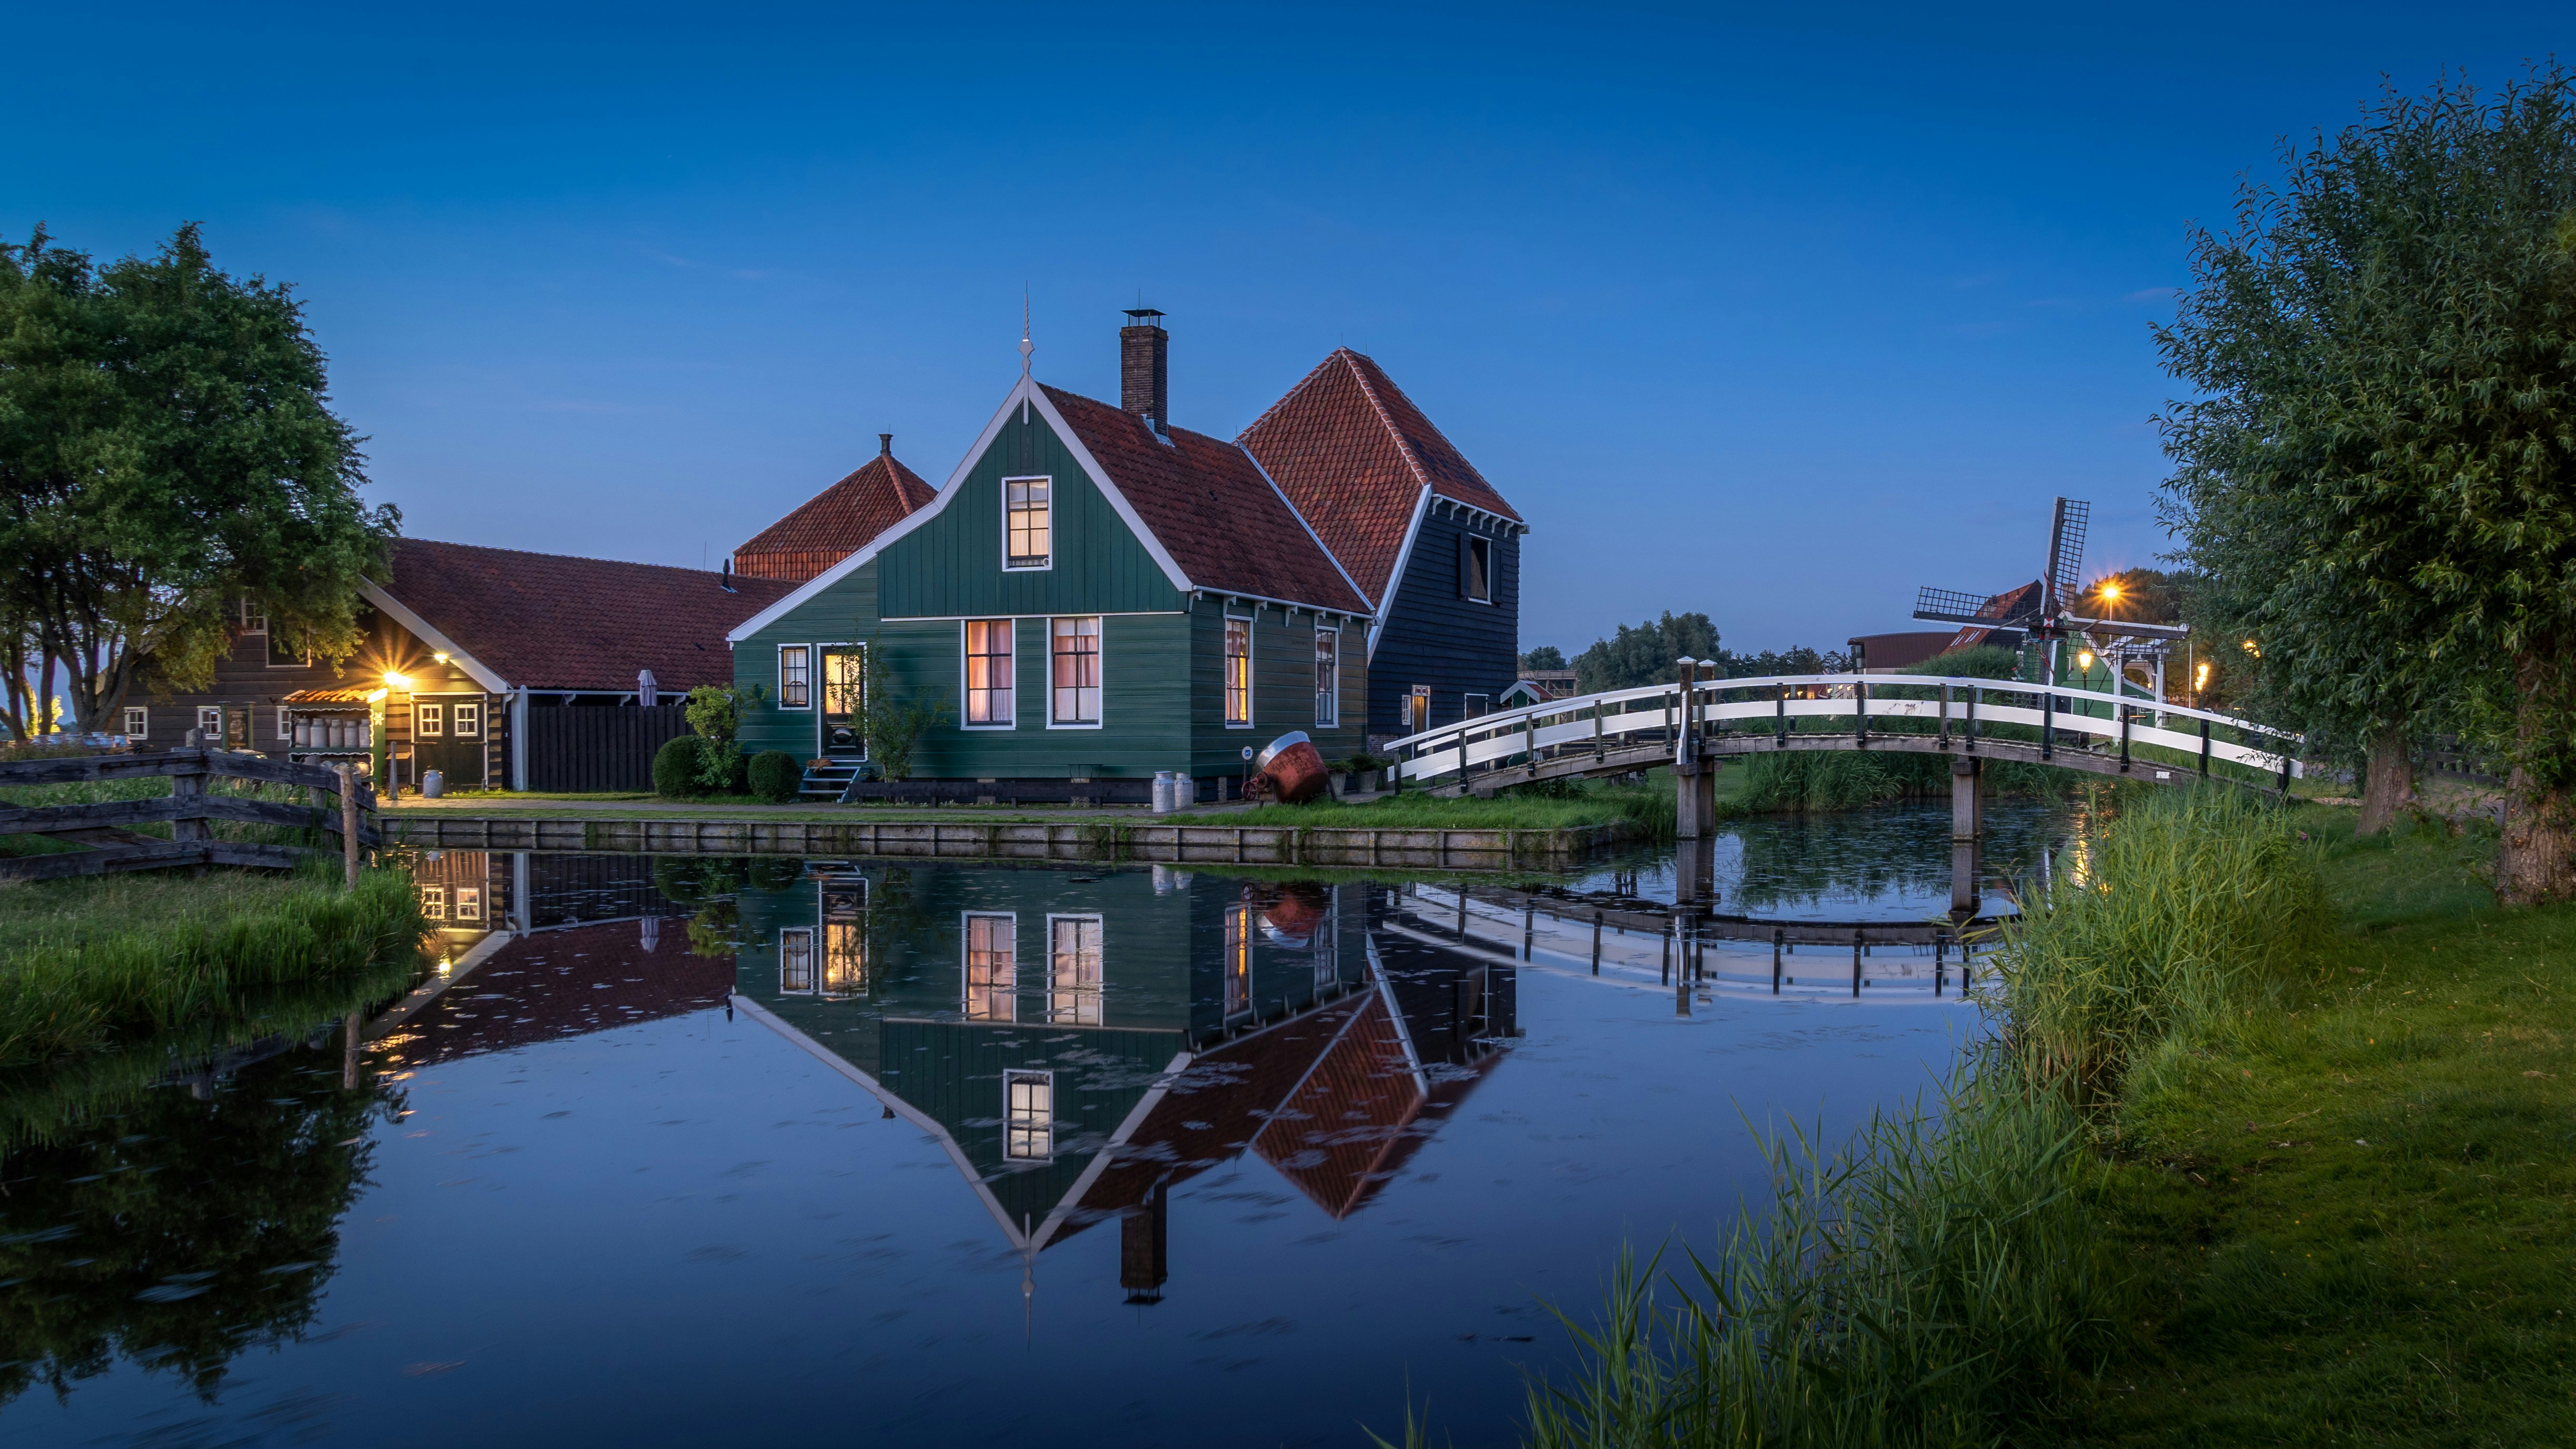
(1437, 636)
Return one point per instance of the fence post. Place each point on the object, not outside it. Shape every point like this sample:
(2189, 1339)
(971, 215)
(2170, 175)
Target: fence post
(188, 785)
(2048, 725)
(1945, 717)
(349, 823)
(1783, 715)
(2124, 736)
(2204, 749)
(1860, 713)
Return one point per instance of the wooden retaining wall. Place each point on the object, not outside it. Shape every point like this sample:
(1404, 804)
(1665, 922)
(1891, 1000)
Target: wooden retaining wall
(1169, 844)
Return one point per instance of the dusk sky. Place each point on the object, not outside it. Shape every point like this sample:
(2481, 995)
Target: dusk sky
(1771, 317)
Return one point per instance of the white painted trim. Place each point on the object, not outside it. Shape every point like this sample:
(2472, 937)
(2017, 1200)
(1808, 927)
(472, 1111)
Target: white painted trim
(1127, 1128)
(1251, 670)
(963, 694)
(822, 750)
(813, 960)
(1009, 567)
(893, 1103)
(782, 706)
(1395, 576)
(393, 608)
(1049, 658)
(1358, 592)
(966, 955)
(1107, 614)
(1336, 722)
(1023, 1074)
(1051, 918)
(519, 738)
(1100, 477)
(1395, 1013)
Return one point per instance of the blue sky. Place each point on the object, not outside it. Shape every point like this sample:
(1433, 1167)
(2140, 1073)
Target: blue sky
(1770, 314)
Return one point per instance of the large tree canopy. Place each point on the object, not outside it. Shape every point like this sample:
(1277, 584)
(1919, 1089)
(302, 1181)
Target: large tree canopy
(166, 450)
(2378, 480)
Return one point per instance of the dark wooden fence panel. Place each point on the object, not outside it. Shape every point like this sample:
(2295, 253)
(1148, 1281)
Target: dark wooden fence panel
(600, 748)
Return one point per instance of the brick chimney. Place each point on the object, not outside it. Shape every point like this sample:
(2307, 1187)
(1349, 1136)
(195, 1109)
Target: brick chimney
(1145, 367)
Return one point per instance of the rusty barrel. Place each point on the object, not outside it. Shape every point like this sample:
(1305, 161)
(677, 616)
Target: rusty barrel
(1294, 768)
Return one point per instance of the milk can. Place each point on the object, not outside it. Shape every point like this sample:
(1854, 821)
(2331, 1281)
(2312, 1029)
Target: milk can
(1164, 792)
(433, 784)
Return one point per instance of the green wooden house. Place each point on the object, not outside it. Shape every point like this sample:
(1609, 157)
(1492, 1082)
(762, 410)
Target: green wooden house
(1094, 595)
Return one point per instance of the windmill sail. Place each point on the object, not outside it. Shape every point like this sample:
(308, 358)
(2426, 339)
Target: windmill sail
(2066, 553)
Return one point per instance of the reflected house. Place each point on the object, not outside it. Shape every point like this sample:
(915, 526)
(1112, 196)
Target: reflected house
(1080, 1044)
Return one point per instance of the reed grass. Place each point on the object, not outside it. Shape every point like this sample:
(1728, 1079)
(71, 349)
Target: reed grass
(91, 964)
(1945, 1279)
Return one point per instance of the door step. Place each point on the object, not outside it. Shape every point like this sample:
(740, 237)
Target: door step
(828, 782)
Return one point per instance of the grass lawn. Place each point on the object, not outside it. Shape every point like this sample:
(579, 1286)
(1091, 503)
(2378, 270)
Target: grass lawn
(2354, 1208)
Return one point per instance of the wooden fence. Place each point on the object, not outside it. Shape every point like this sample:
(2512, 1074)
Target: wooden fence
(584, 750)
(107, 827)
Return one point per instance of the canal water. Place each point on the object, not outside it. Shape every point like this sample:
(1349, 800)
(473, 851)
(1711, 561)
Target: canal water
(698, 1150)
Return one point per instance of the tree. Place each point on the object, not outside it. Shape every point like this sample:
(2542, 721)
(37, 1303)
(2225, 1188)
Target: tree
(165, 451)
(1545, 656)
(714, 713)
(1634, 658)
(2380, 478)
(893, 718)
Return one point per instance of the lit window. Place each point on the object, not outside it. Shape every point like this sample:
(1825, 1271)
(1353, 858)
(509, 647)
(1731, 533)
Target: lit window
(138, 723)
(1417, 710)
(469, 903)
(796, 962)
(992, 958)
(988, 672)
(433, 902)
(1073, 970)
(795, 677)
(1030, 533)
(465, 721)
(254, 616)
(428, 720)
(1238, 671)
(1077, 672)
(1476, 569)
(1237, 964)
(1328, 678)
(210, 718)
(1028, 1116)
(845, 938)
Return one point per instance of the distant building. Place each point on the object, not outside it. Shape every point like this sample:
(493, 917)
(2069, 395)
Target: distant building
(1538, 686)
(1883, 653)
(837, 522)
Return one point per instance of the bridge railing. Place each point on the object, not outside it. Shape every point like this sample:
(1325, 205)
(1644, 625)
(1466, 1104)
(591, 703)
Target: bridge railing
(1792, 707)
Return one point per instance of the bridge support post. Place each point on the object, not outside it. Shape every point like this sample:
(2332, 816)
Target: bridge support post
(1964, 896)
(1695, 798)
(1967, 799)
(1694, 872)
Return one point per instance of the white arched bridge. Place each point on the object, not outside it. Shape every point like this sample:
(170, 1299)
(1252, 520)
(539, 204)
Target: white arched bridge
(1694, 727)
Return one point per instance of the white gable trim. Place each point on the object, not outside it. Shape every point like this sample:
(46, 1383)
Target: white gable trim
(1395, 576)
(1025, 396)
(1314, 537)
(475, 669)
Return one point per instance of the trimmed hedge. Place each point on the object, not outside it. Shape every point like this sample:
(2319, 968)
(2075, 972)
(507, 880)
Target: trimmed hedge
(675, 768)
(776, 776)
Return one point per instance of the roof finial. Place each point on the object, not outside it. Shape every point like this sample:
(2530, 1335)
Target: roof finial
(1026, 346)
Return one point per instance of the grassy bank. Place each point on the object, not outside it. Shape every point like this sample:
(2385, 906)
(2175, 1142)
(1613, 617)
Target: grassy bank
(95, 964)
(2274, 1148)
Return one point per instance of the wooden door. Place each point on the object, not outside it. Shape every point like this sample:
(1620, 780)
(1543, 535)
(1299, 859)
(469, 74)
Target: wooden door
(843, 678)
(447, 736)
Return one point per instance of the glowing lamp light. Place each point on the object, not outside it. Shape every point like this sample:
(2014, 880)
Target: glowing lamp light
(2250, 649)
(438, 658)
(397, 681)
(2110, 592)
(2200, 676)
(2084, 659)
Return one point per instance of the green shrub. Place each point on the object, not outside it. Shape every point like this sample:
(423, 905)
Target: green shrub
(776, 776)
(675, 768)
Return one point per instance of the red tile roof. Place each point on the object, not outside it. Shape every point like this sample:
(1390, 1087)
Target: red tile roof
(835, 523)
(560, 983)
(1354, 454)
(547, 621)
(2019, 605)
(1208, 505)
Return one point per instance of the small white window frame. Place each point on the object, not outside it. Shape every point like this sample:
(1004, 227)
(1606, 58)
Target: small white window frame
(433, 903)
(1477, 542)
(1098, 993)
(457, 712)
(965, 695)
(285, 724)
(469, 904)
(1251, 670)
(138, 722)
(809, 651)
(210, 720)
(803, 937)
(966, 964)
(428, 720)
(1328, 700)
(1016, 1133)
(1009, 567)
(254, 616)
(1102, 621)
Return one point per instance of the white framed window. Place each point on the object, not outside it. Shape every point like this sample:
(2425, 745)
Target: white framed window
(469, 903)
(796, 961)
(138, 722)
(428, 721)
(1028, 523)
(1478, 705)
(1238, 673)
(992, 967)
(210, 718)
(1328, 678)
(795, 676)
(1236, 965)
(1028, 1116)
(465, 721)
(990, 702)
(1476, 569)
(1074, 969)
(254, 616)
(433, 902)
(285, 724)
(1074, 672)
(845, 937)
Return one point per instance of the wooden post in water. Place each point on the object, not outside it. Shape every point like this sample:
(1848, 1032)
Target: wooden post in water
(1694, 775)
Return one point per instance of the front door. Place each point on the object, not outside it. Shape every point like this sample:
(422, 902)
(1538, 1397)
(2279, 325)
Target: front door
(1417, 710)
(843, 676)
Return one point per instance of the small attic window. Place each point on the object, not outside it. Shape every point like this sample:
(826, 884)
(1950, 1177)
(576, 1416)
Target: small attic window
(1476, 569)
(1028, 529)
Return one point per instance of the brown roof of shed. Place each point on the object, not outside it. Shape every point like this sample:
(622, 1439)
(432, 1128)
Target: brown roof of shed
(1354, 454)
(835, 523)
(1207, 503)
(549, 621)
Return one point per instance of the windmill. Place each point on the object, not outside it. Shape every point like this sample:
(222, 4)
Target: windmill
(2039, 609)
